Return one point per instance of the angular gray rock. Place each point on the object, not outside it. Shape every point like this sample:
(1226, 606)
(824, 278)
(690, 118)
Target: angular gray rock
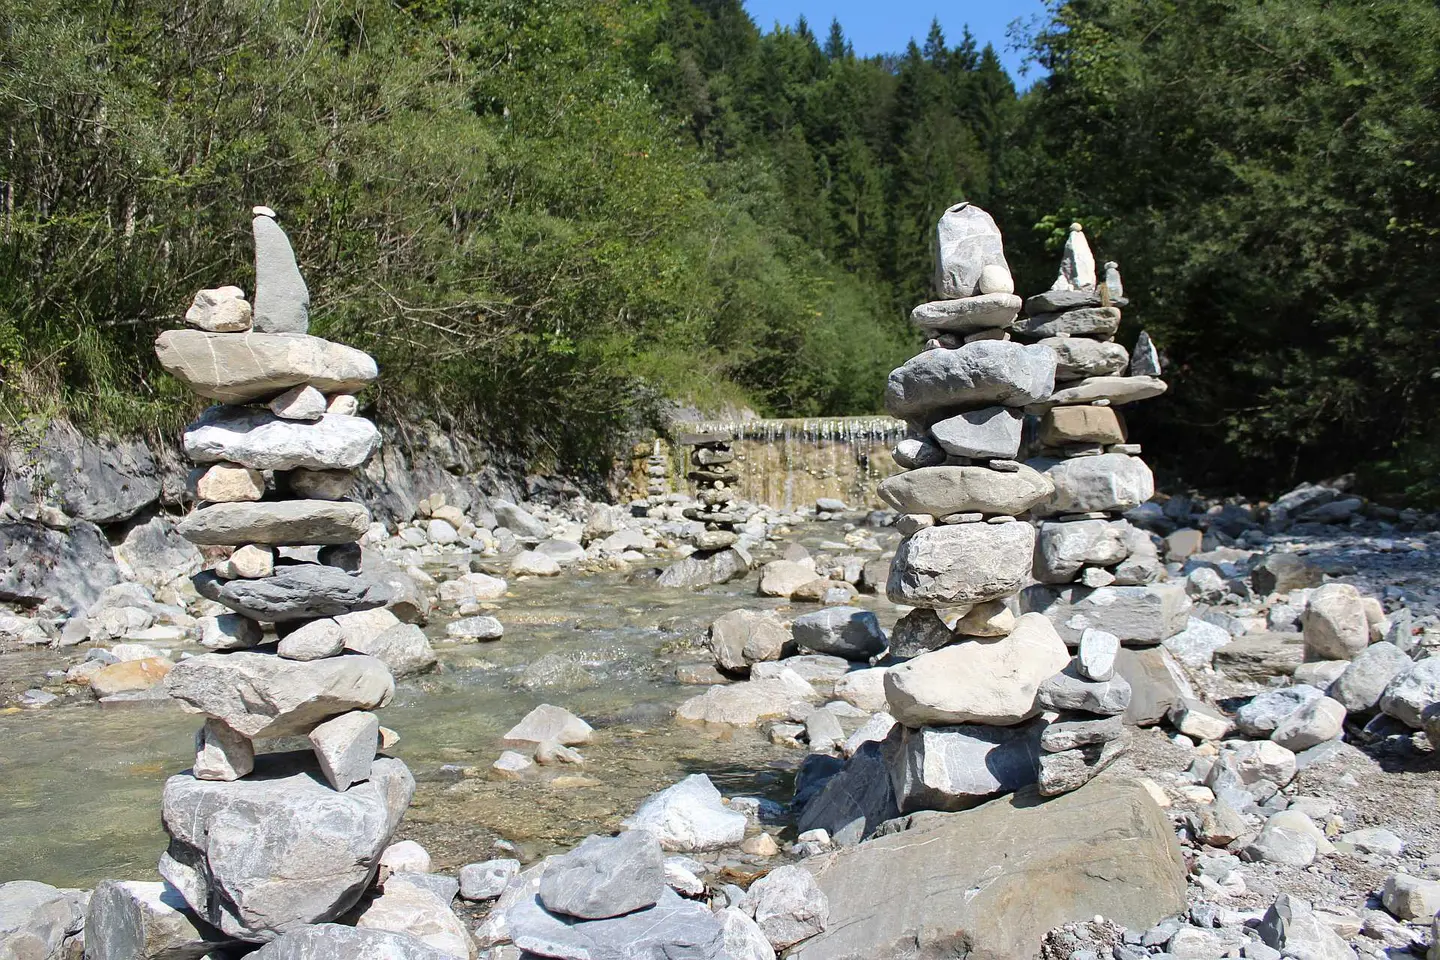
(517, 520)
(1263, 713)
(241, 367)
(990, 883)
(1067, 770)
(1080, 322)
(1080, 731)
(1412, 692)
(278, 523)
(34, 919)
(967, 241)
(987, 433)
(855, 801)
(1144, 359)
(743, 637)
(1061, 549)
(1059, 301)
(673, 928)
(984, 312)
(546, 723)
(1108, 483)
(1157, 684)
(1292, 927)
(487, 880)
(788, 905)
(919, 631)
(282, 301)
(954, 768)
(345, 747)
(1334, 623)
(314, 640)
(1137, 615)
(130, 919)
(154, 553)
(256, 438)
(689, 816)
(940, 491)
(963, 563)
(840, 631)
(222, 753)
(1362, 684)
(605, 877)
(1080, 357)
(72, 567)
(220, 310)
(1313, 723)
(278, 850)
(101, 481)
(262, 696)
(978, 374)
(297, 592)
(332, 941)
(1069, 690)
(403, 648)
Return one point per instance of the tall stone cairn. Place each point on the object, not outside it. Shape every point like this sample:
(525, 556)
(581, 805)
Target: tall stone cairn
(712, 470)
(968, 671)
(261, 845)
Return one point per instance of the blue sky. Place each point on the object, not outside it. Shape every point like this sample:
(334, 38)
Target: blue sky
(885, 27)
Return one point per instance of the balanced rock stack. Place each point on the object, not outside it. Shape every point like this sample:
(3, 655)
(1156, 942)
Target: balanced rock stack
(712, 470)
(964, 691)
(657, 471)
(263, 845)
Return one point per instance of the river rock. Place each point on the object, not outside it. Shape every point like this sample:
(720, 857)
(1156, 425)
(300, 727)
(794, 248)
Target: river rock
(1096, 657)
(1364, 681)
(321, 484)
(840, 631)
(1259, 656)
(942, 491)
(299, 403)
(857, 799)
(315, 640)
(1079, 357)
(279, 849)
(953, 768)
(919, 631)
(1293, 927)
(1288, 837)
(674, 927)
(278, 523)
(1059, 301)
(987, 433)
(71, 567)
(1334, 623)
(978, 374)
(547, 723)
(262, 696)
(989, 883)
(1081, 424)
(914, 452)
(1061, 549)
(517, 519)
(967, 315)
(1109, 483)
(1080, 731)
(1312, 723)
(689, 816)
(1069, 690)
(1282, 573)
(475, 628)
(133, 919)
(863, 689)
(331, 941)
(1137, 615)
(258, 439)
(220, 310)
(296, 592)
(978, 681)
(1114, 390)
(402, 647)
(742, 637)
(967, 241)
(1080, 322)
(1412, 692)
(961, 563)
(788, 905)
(130, 676)
(605, 877)
(221, 753)
(1411, 898)
(1265, 711)
(34, 920)
(743, 938)
(1195, 646)
(345, 746)
(487, 880)
(241, 367)
(282, 301)
(412, 909)
(1157, 684)
(1067, 770)
(745, 704)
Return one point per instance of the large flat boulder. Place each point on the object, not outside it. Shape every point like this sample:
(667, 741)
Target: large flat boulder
(265, 855)
(264, 696)
(978, 374)
(279, 523)
(941, 491)
(298, 592)
(240, 367)
(256, 438)
(961, 563)
(987, 884)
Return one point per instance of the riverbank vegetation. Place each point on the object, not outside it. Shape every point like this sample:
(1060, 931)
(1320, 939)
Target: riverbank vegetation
(549, 220)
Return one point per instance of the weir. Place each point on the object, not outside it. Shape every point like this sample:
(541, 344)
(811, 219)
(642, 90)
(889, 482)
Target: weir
(789, 463)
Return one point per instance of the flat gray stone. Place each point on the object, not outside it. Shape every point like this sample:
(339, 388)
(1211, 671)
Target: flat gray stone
(1137, 615)
(959, 564)
(331, 941)
(263, 696)
(279, 850)
(241, 367)
(673, 928)
(978, 374)
(957, 767)
(840, 631)
(1080, 730)
(1058, 301)
(1067, 770)
(968, 314)
(605, 877)
(944, 490)
(256, 438)
(1108, 483)
(1080, 322)
(1069, 690)
(298, 592)
(1062, 549)
(279, 523)
(987, 433)
(282, 301)
(1114, 390)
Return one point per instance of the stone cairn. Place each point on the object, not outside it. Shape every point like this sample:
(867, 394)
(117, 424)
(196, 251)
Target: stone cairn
(263, 845)
(712, 470)
(657, 471)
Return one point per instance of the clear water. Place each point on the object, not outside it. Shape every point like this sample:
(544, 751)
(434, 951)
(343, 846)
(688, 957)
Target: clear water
(80, 785)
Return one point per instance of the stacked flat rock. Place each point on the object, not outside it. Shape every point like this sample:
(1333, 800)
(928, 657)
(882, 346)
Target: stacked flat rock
(713, 472)
(967, 669)
(657, 471)
(261, 846)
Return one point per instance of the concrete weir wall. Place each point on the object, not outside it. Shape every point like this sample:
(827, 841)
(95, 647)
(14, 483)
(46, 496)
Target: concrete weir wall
(790, 463)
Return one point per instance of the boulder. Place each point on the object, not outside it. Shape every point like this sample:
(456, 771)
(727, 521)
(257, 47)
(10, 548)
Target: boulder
(689, 816)
(967, 241)
(788, 905)
(280, 849)
(545, 724)
(847, 632)
(957, 767)
(942, 491)
(986, 433)
(1411, 898)
(745, 704)
(605, 877)
(71, 567)
(742, 637)
(743, 939)
(1313, 723)
(262, 696)
(296, 592)
(132, 919)
(100, 481)
(863, 689)
(129, 676)
(1334, 623)
(34, 920)
(1265, 711)
(962, 563)
(988, 884)
(674, 927)
(1108, 483)
(977, 374)
(978, 681)
(853, 802)
(256, 438)
(413, 910)
(1412, 692)
(222, 753)
(1364, 681)
(1293, 927)
(1138, 615)
(241, 367)
(1282, 573)
(472, 629)
(331, 941)
(517, 520)
(1157, 684)
(781, 578)
(278, 523)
